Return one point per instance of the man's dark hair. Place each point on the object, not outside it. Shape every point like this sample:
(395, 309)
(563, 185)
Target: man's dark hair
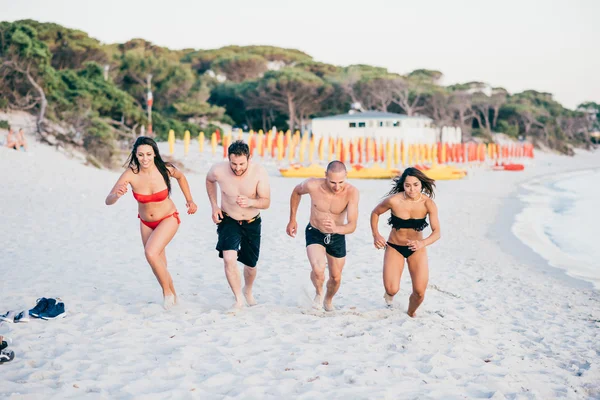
(239, 148)
(336, 166)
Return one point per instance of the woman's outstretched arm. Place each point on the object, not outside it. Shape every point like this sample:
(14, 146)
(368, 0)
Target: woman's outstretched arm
(119, 189)
(378, 240)
(185, 188)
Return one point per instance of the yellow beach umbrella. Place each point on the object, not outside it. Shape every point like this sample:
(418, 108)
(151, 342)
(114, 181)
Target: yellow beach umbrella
(259, 145)
(390, 154)
(416, 154)
(213, 143)
(444, 153)
(321, 149)
(331, 148)
(250, 139)
(201, 142)
(269, 143)
(404, 153)
(171, 141)
(302, 149)
(291, 148)
(279, 146)
(338, 149)
(186, 142)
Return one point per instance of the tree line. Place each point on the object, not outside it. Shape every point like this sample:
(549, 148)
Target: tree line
(94, 95)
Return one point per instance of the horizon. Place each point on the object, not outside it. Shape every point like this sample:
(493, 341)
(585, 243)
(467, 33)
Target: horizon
(555, 52)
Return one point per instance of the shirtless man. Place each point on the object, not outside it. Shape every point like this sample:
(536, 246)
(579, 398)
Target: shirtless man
(332, 201)
(244, 192)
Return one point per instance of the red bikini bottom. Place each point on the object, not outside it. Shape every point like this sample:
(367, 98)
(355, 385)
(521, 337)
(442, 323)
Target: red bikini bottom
(154, 224)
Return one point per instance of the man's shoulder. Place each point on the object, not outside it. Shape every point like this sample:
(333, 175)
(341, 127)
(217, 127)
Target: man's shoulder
(316, 180)
(351, 189)
(218, 166)
(313, 183)
(259, 168)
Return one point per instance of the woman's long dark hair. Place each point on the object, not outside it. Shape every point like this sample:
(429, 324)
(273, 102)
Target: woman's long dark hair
(133, 162)
(427, 183)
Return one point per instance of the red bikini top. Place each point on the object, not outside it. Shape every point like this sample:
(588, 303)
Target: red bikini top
(152, 198)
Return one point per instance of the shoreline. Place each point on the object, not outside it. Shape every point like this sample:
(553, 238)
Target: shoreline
(553, 254)
(501, 231)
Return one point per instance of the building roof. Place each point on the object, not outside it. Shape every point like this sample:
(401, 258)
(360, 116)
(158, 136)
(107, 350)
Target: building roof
(370, 115)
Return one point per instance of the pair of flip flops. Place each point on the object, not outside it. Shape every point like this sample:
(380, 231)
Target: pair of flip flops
(6, 355)
(15, 317)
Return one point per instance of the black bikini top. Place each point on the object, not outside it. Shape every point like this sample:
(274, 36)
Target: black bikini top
(411, 223)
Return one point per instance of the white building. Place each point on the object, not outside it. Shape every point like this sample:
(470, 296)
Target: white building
(384, 125)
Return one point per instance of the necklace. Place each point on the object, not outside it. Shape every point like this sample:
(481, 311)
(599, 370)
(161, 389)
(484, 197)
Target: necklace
(414, 201)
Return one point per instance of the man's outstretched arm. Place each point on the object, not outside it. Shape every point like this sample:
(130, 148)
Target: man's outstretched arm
(295, 198)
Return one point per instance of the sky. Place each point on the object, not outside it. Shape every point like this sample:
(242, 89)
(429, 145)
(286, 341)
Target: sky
(549, 46)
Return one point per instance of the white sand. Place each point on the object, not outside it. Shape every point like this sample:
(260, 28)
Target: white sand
(493, 325)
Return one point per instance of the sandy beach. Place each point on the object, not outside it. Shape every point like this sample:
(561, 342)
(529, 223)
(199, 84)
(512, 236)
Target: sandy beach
(497, 321)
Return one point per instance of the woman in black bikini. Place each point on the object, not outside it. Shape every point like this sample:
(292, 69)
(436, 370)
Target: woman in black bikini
(410, 201)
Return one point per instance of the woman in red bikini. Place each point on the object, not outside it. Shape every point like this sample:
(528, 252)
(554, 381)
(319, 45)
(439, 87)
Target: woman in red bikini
(410, 201)
(149, 177)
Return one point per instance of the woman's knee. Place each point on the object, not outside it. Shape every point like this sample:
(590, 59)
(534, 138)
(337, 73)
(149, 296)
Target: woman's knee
(152, 254)
(391, 289)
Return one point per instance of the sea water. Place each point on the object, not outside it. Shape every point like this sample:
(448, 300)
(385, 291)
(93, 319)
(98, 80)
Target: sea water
(560, 221)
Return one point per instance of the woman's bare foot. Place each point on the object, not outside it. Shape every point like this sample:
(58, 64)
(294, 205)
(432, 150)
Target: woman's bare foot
(389, 300)
(169, 301)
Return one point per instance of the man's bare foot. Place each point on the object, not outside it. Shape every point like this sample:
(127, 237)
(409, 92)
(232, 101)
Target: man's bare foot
(317, 302)
(328, 306)
(249, 298)
(412, 314)
(388, 299)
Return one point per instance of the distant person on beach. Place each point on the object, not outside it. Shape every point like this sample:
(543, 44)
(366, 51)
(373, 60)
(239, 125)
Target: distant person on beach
(12, 140)
(245, 190)
(410, 202)
(21, 139)
(150, 180)
(333, 201)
